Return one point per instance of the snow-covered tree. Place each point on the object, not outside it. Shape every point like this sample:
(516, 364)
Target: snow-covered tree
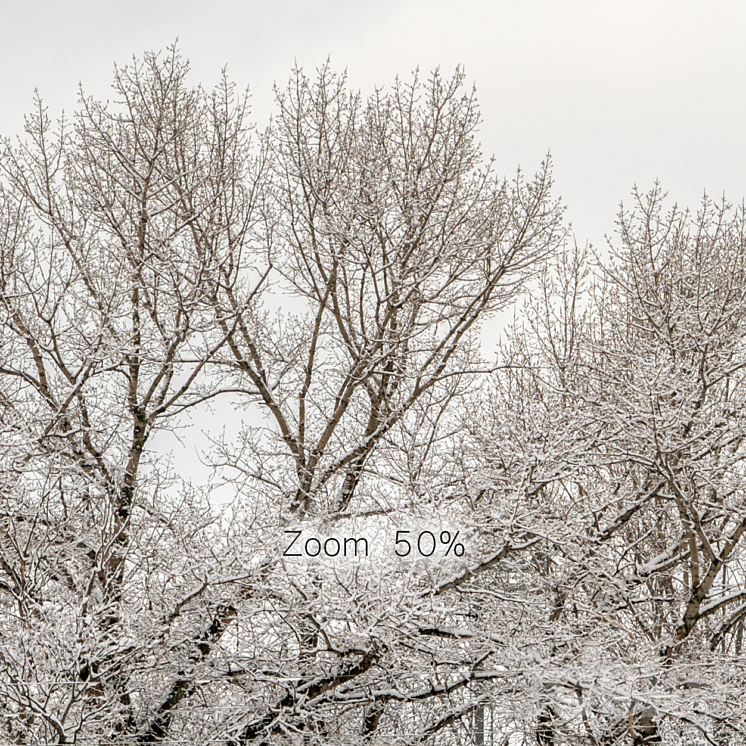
(621, 409)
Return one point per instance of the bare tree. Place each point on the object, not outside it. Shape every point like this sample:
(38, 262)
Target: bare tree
(621, 409)
(396, 240)
(107, 326)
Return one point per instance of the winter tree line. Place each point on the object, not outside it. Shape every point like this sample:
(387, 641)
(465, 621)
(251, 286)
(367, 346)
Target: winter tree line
(320, 286)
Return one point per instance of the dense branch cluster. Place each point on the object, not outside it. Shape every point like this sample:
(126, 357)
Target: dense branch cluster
(321, 286)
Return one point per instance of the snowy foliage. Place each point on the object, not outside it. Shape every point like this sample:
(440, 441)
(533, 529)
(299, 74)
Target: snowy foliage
(322, 284)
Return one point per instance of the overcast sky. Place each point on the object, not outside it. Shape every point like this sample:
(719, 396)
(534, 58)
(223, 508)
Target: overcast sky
(619, 92)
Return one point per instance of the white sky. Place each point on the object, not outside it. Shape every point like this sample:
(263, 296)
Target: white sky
(620, 92)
